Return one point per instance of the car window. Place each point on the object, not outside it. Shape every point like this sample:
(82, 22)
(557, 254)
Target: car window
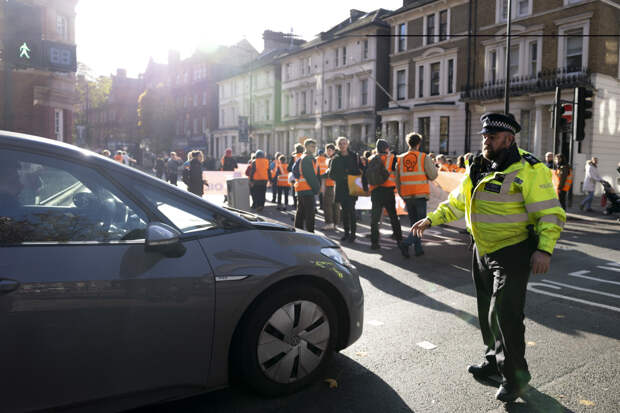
(44, 199)
(184, 215)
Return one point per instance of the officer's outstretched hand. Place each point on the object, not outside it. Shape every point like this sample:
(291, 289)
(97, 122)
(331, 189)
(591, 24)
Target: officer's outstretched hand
(539, 263)
(419, 227)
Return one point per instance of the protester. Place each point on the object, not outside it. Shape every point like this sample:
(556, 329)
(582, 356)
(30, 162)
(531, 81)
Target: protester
(273, 166)
(382, 194)
(562, 178)
(414, 170)
(106, 153)
(282, 183)
(330, 207)
(259, 175)
(118, 157)
(248, 169)
(591, 178)
(345, 163)
(228, 163)
(306, 187)
(172, 168)
(299, 150)
(515, 222)
(461, 167)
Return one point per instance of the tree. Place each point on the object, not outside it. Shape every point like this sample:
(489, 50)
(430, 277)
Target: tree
(156, 118)
(93, 92)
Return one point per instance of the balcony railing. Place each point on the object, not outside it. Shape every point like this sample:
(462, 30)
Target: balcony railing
(544, 81)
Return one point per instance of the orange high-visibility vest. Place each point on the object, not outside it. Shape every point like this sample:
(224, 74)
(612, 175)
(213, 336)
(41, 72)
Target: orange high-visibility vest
(445, 167)
(413, 180)
(391, 181)
(323, 166)
(118, 158)
(283, 175)
(567, 183)
(261, 173)
(302, 184)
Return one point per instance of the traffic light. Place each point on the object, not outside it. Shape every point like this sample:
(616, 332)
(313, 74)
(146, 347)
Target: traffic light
(22, 34)
(582, 110)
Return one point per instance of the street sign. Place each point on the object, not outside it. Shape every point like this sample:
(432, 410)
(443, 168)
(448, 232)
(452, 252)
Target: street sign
(243, 129)
(567, 113)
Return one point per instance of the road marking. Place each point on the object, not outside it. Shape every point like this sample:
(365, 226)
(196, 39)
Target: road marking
(608, 268)
(375, 323)
(580, 274)
(426, 345)
(582, 289)
(460, 268)
(531, 286)
(615, 264)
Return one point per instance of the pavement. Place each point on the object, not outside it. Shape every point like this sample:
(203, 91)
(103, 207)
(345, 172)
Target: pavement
(421, 331)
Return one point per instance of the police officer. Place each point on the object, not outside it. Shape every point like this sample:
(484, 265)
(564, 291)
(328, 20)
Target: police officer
(515, 218)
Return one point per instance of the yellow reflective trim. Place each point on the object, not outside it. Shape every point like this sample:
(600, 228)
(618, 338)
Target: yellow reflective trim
(413, 183)
(542, 205)
(412, 173)
(509, 178)
(493, 197)
(499, 219)
(553, 219)
(455, 211)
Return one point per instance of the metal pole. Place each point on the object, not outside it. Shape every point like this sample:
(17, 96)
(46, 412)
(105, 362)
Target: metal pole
(507, 84)
(556, 118)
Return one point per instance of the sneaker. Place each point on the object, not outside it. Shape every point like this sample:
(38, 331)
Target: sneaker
(509, 393)
(483, 370)
(352, 238)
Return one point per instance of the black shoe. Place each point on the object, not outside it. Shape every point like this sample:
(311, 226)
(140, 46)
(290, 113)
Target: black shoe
(482, 371)
(352, 238)
(375, 247)
(345, 237)
(509, 393)
(404, 249)
(419, 253)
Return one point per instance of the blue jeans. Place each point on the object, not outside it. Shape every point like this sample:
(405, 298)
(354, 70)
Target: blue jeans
(416, 209)
(587, 202)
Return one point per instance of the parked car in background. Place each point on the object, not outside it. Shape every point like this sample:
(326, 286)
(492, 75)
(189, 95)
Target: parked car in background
(117, 286)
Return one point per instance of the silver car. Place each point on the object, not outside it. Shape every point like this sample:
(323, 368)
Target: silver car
(115, 286)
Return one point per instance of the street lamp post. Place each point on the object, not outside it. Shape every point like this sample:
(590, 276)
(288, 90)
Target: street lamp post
(507, 82)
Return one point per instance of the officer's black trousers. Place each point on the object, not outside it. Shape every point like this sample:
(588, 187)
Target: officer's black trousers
(383, 197)
(501, 282)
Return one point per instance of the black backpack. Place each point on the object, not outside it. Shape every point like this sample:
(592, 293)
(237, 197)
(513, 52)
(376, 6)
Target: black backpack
(376, 172)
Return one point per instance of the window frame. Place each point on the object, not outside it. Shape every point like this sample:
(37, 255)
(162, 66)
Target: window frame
(364, 92)
(562, 45)
(401, 37)
(405, 72)
(499, 8)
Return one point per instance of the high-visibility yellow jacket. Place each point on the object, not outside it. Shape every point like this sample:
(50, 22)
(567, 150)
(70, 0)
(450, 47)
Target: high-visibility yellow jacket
(503, 204)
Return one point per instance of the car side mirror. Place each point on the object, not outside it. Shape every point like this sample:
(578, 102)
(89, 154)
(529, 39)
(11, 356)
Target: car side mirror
(164, 239)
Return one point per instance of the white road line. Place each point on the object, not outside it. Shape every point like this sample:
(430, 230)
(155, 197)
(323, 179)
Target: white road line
(580, 274)
(531, 286)
(615, 264)
(608, 268)
(583, 289)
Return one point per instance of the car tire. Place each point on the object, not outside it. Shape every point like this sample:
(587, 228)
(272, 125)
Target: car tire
(287, 340)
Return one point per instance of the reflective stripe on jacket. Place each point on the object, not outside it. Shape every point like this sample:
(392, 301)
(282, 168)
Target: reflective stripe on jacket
(323, 163)
(283, 175)
(261, 171)
(557, 177)
(502, 206)
(413, 179)
(301, 184)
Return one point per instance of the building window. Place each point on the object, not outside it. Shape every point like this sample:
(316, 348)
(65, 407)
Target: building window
(337, 57)
(444, 134)
(204, 124)
(533, 66)
(329, 98)
(204, 98)
(61, 27)
(430, 29)
(451, 76)
(402, 37)
(424, 128)
(195, 124)
(420, 81)
(443, 25)
(435, 79)
(196, 101)
(344, 56)
(222, 118)
(524, 135)
(364, 92)
(348, 95)
(401, 85)
(493, 65)
(302, 66)
(365, 50)
(520, 8)
(268, 110)
(574, 50)
(311, 101)
(287, 99)
(287, 71)
(58, 125)
(339, 96)
(303, 103)
(185, 101)
(514, 61)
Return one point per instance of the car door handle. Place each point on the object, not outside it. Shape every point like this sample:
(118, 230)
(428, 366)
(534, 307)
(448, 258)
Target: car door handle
(7, 286)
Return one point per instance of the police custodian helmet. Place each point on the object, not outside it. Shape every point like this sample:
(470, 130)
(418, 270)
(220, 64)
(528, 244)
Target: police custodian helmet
(499, 122)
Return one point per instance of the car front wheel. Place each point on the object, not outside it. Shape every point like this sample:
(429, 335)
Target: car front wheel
(288, 340)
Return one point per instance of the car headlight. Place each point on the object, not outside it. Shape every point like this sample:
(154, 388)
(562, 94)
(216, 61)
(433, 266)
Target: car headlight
(337, 255)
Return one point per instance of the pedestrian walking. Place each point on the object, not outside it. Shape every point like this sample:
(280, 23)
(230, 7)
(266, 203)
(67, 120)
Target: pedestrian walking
(562, 178)
(196, 181)
(172, 168)
(345, 163)
(259, 175)
(414, 170)
(515, 218)
(307, 186)
(380, 174)
(592, 177)
(282, 183)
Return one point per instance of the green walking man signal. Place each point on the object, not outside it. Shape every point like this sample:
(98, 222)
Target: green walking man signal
(24, 51)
